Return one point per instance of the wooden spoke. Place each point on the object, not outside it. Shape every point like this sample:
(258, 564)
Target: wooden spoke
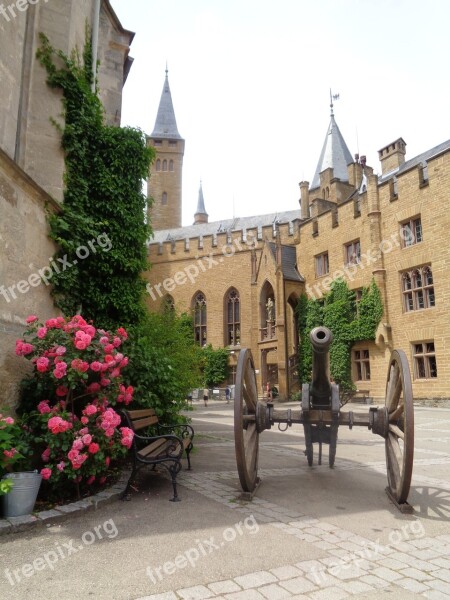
(400, 439)
(246, 436)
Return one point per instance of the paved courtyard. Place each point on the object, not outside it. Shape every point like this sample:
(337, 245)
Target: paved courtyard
(314, 533)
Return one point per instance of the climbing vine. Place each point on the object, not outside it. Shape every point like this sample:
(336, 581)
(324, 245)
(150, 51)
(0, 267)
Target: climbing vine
(104, 205)
(337, 310)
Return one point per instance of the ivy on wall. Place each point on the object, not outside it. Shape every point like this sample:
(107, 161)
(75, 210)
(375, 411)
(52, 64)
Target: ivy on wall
(348, 322)
(104, 205)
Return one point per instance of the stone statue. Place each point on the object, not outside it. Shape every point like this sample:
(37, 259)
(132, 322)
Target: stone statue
(270, 306)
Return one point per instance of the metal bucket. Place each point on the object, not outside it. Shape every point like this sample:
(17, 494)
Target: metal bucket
(21, 499)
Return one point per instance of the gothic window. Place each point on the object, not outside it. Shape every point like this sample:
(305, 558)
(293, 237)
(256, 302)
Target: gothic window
(424, 356)
(361, 361)
(164, 165)
(158, 165)
(233, 312)
(164, 198)
(322, 264)
(171, 165)
(418, 289)
(168, 303)
(199, 306)
(411, 232)
(353, 253)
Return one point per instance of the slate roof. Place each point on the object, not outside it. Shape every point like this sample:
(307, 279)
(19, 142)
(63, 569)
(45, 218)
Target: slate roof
(201, 210)
(236, 224)
(288, 262)
(414, 162)
(335, 154)
(166, 124)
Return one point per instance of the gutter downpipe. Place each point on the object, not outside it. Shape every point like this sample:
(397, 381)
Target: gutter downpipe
(95, 29)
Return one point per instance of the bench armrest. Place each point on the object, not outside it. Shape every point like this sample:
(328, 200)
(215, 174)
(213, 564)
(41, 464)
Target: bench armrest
(185, 430)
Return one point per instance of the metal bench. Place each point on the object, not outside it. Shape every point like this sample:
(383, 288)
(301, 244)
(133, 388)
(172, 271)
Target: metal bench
(166, 448)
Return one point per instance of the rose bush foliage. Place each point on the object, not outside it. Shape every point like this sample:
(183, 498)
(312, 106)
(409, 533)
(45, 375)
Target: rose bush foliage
(75, 429)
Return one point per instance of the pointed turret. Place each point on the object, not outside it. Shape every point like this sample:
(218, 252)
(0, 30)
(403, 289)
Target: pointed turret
(201, 216)
(166, 171)
(166, 124)
(335, 155)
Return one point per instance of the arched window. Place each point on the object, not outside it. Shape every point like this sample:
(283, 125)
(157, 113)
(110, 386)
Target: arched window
(158, 165)
(164, 165)
(164, 198)
(199, 307)
(233, 316)
(168, 303)
(171, 165)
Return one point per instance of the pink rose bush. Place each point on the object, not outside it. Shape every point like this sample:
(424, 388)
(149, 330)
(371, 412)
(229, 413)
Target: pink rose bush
(75, 427)
(12, 449)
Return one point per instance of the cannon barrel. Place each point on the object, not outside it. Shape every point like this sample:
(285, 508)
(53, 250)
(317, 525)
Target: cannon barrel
(320, 389)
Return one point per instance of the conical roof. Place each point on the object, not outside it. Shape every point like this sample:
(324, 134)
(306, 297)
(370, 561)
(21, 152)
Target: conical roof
(166, 124)
(201, 210)
(335, 154)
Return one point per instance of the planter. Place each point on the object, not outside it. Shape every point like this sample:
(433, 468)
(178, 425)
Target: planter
(21, 499)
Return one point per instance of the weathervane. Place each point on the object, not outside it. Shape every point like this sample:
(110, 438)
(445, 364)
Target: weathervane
(333, 97)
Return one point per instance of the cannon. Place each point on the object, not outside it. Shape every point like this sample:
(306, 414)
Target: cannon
(321, 415)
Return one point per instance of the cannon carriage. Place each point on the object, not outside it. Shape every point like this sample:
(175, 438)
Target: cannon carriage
(320, 414)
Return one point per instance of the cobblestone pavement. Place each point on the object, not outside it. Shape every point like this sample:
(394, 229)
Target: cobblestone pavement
(412, 562)
(314, 533)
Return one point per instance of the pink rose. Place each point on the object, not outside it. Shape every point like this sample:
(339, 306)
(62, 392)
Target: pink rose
(60, 350)
(108, 348)
(46, 455)
(42, 332)
(96, 366)
(43, 407)
(124, 362)
(84, 420)
(90, 409)
(42, 364)
(31, 319)
(94, 387)
(121, 331)
(80, 345)
(79, 365)
(10, 453)
(78, 444)
(8, 420)
(46, 473)
(105, 382)
(90, 330)
(107, 461)
(62, 390)
(87, 439)
(104, 340)
(93, 448)
(60, 466)
(109, 358)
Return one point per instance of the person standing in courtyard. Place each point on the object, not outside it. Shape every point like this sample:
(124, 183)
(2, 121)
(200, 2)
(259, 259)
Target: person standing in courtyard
(206, 396)
(227, 394)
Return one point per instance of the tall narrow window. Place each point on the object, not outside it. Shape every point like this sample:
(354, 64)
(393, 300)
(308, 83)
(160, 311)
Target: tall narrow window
(418, 289)
(164, 198)
(411, 232)
(164, 165)
(158, 165)
(424, 360)
(233, 309)
(200, 319)
(322, 264)
(171, 165)
(353, 253)
(361, 361)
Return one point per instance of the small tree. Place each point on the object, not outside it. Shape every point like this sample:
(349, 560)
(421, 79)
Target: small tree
(215, 365)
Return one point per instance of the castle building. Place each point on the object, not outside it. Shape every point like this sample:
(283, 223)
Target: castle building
(31, 157)
(242, 277)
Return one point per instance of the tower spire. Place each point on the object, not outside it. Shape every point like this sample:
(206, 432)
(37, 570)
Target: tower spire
(166, 123)
(201, 216)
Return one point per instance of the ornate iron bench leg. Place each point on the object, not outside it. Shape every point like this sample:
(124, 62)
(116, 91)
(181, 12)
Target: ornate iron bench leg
(174, 470)
(188, 452)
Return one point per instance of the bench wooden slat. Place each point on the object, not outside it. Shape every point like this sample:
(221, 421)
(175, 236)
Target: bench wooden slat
(141, 423)
(154, 448)
(144, 412)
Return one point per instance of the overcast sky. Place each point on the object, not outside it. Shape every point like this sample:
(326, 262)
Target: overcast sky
(250, 83)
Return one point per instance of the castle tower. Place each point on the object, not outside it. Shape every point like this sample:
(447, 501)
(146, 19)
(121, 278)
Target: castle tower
(201, 216)
(165, 181)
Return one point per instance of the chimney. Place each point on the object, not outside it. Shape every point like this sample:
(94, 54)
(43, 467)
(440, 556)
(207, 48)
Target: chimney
(304, 199)
(392, 156)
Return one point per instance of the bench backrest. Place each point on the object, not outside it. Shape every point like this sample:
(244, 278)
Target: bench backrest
(142, 418)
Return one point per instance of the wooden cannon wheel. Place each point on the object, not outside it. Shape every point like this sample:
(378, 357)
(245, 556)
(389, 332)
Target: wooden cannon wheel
(246, 436)
(399, 441)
